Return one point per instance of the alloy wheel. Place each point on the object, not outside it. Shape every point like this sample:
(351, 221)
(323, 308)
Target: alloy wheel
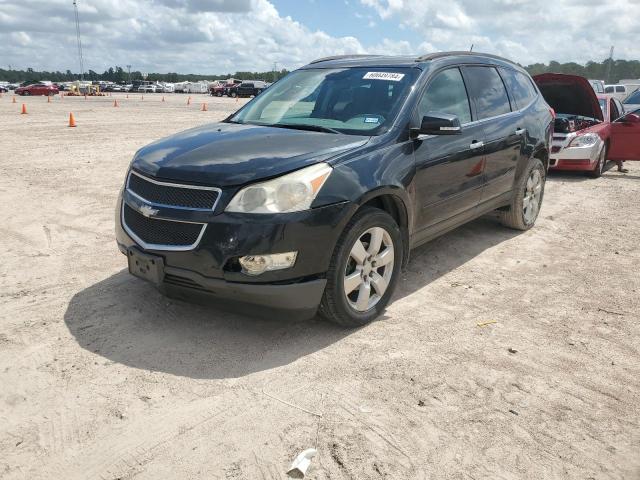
(369, 269)
(532, 196)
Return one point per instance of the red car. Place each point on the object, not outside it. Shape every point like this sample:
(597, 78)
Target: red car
(38, 89)
(589, 129)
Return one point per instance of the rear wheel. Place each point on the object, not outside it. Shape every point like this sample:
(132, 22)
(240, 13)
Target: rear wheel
(364, 269)
(525, 205)
(602, 161)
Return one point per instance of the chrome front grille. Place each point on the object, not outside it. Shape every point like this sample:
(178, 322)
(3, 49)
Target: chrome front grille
(161, 233)
(155, 232)
(192, 197)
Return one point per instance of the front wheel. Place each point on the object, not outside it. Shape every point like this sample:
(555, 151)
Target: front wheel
(25, 94)
(364, 269)
(525, 205)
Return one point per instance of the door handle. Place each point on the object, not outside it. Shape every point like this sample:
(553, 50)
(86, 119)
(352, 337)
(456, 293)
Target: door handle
(520, 131)
(475, 145)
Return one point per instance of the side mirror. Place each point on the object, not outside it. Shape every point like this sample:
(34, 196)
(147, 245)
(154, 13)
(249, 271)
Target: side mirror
(436, 123)
(630, 118)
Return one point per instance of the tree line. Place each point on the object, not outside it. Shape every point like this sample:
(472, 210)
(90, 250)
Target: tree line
(611, 71)
(120, 75)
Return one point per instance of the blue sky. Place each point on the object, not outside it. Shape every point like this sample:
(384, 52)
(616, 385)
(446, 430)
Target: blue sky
(343, 18)
(225, 36)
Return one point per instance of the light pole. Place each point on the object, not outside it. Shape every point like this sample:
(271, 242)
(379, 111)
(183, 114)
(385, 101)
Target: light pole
(129, 71)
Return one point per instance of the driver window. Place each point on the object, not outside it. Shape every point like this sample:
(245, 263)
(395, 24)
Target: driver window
(446, 94)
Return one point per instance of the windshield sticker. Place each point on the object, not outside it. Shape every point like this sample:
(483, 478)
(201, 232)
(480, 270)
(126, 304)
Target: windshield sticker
(371, 120)
(392, 76)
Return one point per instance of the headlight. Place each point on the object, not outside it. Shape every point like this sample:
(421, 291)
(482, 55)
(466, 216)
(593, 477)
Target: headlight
(290, 193)
(586, 140)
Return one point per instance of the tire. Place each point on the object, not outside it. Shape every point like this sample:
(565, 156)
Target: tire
(25, 94)
(520, 216)
(234, 94)
(602, 161)
(372, 285)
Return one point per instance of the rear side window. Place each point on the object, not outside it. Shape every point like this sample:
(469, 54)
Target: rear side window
(520, 86)
(608, 89)
(620, 89)
(446, 93)
(488, 92)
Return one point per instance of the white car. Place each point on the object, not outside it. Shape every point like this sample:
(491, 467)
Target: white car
(147, 89)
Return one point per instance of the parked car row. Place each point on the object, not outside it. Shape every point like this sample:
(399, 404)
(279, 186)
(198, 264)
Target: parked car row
(239, 88)
(589, 129)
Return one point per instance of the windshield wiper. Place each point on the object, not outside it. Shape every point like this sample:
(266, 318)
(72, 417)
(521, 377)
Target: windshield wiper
(312, 128)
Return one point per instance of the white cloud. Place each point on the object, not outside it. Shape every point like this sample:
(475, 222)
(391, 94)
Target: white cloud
(198, 36)
(527, 31)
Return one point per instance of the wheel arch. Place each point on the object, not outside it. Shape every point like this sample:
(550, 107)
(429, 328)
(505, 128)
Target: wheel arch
(389, 201)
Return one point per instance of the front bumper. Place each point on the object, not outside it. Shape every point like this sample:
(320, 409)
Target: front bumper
(575, 158)
(210, 268)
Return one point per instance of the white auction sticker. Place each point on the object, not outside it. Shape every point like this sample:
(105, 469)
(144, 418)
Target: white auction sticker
(393, 76)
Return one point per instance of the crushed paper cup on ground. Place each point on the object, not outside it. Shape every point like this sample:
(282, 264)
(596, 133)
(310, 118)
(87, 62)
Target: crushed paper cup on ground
(301, 463)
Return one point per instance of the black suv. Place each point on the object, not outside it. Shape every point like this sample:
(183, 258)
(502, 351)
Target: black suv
(313, 193)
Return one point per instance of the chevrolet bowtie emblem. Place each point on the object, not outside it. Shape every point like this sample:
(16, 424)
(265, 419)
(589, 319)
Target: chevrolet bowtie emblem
(147, 211)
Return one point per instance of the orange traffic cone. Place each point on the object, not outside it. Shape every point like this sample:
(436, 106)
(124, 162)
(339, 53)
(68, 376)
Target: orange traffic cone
(48, 99)
(127, 95)
(115, 102)
(24, 109)
(188, 101)
(72, 121)
(14, 99)
(163, 99)
(204, 107)
(142, 97)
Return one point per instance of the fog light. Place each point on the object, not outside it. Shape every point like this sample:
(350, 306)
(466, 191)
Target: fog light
(257, 264)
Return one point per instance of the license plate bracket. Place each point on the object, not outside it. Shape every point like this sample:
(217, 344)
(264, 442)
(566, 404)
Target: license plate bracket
(145, 266)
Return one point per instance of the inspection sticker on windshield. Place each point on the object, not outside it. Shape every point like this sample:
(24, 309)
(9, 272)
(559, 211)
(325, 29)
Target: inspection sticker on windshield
(371, 120)
(393, 76)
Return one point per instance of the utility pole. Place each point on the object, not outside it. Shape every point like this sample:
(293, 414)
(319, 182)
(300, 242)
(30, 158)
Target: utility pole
(607, 77)
(275, 69)
(75, 8)
(129, 71)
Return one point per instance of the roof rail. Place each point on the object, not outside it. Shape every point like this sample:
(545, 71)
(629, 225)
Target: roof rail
(341, 57)
(433, 56)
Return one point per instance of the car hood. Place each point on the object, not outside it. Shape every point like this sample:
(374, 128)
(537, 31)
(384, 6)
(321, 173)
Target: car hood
(569, 94)
(226, 154)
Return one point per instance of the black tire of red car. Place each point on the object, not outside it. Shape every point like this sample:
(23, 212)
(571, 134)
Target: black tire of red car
(335, 305)
(602, 161)
(514, 217)
(25, 93)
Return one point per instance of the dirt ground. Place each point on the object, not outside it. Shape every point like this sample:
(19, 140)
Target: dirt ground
(505, 355)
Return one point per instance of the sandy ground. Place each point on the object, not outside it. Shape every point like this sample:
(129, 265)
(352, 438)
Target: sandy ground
(101, 377)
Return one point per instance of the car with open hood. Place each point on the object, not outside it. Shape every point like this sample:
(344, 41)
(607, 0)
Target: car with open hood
(589, 129)
(310, 197)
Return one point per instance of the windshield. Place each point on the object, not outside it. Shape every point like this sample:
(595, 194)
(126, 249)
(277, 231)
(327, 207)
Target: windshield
(355, 101)
(633, 98)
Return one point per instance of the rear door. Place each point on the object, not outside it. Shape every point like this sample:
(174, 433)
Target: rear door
(448, 167)
(625, 137)
(503, 126)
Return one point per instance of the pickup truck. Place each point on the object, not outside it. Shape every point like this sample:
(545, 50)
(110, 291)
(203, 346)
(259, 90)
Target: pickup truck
(251, 89)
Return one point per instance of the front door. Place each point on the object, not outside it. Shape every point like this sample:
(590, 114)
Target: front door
(449, 168)
(625, 137)
(504, 129)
